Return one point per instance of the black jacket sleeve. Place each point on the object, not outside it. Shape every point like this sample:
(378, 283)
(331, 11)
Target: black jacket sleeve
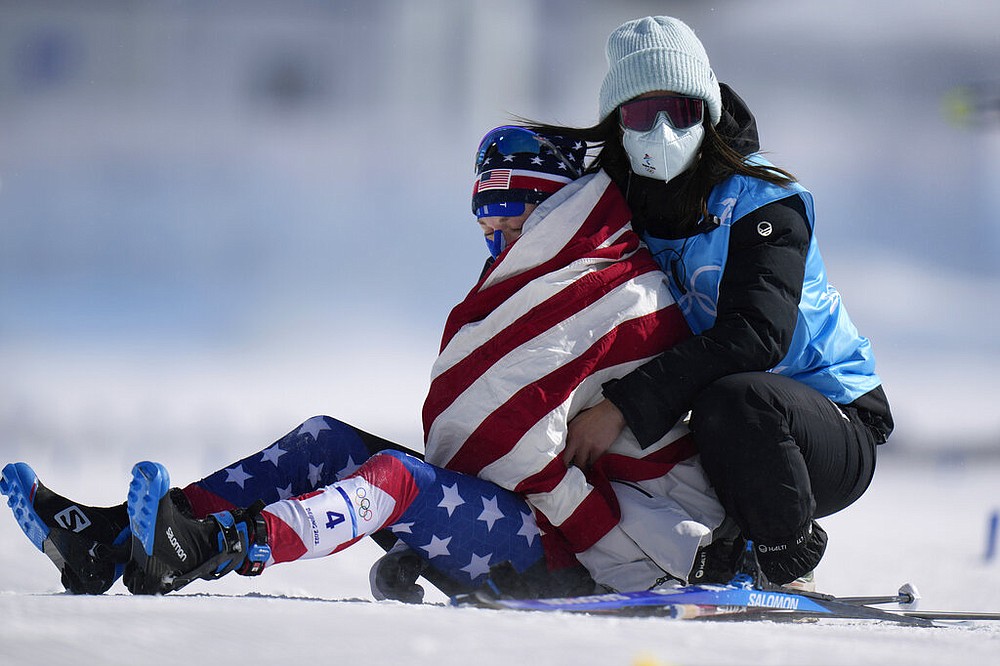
(757, 312)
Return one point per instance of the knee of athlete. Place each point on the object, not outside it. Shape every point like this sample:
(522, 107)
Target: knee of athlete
(386, 457)
(382, 463)
(392, 469)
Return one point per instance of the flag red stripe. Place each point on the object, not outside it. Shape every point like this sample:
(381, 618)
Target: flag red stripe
(519, 182)
(497, 434)
(656, 464)
(557, 308)
(594, 517)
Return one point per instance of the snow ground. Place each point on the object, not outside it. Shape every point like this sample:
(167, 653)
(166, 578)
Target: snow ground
(922, 524)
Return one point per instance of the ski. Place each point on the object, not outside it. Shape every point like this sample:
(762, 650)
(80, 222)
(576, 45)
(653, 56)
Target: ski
(961, 616)
(748, 596)
(740, 600)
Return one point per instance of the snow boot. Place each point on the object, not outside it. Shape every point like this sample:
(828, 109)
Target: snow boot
(170, 548)
(786, 563)
(89, 545)
(716, 563)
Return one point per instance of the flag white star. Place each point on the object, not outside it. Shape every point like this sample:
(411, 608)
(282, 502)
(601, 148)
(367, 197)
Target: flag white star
(437, 547)
(349, 468)
(578, 145)
(508, 158)
(451, 499)
(491, 513)
(536, 160)
(314, 426)
(402, 528)
(271, 454)
(237, 475)
(477, 565)
(285, 493)
(529, 529)
(314, 472)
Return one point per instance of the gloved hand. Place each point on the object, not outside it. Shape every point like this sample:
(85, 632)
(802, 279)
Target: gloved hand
(394, 575)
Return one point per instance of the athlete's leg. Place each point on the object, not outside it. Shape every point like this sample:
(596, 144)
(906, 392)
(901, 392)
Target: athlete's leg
(460, 524)
(312, 456)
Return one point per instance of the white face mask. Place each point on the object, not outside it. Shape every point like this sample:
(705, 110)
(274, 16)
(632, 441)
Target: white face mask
(663, 152)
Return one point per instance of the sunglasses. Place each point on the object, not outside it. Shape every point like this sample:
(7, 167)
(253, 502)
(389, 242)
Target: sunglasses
(513, 140)
(681, 112)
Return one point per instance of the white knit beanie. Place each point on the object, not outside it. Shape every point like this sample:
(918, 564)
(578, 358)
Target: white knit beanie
(658, 53)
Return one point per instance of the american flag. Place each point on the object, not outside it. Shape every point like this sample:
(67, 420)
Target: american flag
(497, 179)
(575, 302)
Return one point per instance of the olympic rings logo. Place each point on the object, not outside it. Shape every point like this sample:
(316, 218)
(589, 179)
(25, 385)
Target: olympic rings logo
(692, 297)
(364, 504)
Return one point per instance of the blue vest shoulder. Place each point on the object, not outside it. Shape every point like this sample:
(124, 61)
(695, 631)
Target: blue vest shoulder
(740, 195)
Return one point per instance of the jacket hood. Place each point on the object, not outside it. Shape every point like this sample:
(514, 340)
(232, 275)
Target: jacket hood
(737, 124)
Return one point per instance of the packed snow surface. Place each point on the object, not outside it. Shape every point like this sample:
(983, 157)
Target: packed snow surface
(921, 524)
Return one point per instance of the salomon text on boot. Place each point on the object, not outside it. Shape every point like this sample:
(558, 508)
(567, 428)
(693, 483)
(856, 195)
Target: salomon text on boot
(170, 548)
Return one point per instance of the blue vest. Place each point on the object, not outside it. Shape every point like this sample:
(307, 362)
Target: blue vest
(827, 352)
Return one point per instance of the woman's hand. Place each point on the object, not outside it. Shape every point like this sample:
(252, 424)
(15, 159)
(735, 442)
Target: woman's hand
(591, 433)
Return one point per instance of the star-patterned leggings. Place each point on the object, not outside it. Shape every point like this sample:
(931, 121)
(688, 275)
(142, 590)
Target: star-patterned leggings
(326, 490)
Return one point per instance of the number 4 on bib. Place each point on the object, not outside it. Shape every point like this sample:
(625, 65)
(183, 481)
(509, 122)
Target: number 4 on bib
(333, 519)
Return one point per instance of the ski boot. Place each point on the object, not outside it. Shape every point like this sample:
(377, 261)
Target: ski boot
(394, 575)
(170, 548)
(89, 545)
(535, 582)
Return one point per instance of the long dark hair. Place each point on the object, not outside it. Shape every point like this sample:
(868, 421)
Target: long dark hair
(718, 160)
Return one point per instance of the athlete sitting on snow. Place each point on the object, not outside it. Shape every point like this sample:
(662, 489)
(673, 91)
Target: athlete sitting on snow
(526, 351)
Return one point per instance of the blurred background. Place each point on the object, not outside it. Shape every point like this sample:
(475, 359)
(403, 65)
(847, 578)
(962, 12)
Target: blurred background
(219, 219)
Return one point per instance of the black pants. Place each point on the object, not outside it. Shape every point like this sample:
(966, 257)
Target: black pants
(779, 453)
